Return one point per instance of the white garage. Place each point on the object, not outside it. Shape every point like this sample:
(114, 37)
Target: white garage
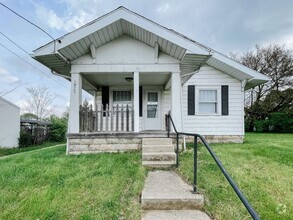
(9, 124)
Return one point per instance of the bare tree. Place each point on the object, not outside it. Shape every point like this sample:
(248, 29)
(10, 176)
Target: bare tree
(275, 62)
(39, 101)
(274, 96)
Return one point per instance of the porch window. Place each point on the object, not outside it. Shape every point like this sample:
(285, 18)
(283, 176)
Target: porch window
(121, 97)
(208, 101)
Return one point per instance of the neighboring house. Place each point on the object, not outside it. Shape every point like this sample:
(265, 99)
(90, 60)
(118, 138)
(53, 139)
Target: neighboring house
(124, 59)
(9, 124)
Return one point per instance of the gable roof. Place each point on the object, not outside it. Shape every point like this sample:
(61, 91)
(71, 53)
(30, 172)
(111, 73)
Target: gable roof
(57, 54)
(9, 103)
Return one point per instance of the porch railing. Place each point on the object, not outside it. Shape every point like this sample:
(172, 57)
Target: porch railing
(236, 189)
(117, 118)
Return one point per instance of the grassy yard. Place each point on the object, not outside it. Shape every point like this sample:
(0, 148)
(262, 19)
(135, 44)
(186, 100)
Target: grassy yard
(51, 185)
(263, 169)
(9, 151)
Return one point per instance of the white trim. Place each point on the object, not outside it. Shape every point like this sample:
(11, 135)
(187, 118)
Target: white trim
(93, 68)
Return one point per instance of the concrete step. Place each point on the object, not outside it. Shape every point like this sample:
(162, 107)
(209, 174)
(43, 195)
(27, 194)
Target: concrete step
(157, 141)
(158, 156)
(175, 215)
(159, 164)
(165, 190)
(157, 148)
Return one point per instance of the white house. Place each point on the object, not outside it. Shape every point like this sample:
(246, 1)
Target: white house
(140, 70)
(9, 124)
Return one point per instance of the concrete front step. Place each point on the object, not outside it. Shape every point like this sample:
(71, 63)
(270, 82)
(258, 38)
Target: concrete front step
(156, 141)
(165, 190)
(158, 164)
(175, 215)
(159, 156)
(158, 148)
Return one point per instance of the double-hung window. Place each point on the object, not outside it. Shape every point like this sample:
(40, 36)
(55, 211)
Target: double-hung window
(208, 101)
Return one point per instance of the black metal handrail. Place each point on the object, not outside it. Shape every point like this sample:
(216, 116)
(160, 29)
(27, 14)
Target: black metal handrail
(236, 189)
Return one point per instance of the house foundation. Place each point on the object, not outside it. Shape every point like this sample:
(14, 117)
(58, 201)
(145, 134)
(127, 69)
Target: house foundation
(85, 143)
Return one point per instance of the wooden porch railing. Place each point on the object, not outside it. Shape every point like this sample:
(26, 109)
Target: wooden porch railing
(115, 119)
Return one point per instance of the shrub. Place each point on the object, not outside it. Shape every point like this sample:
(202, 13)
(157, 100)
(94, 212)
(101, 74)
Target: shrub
(281, 122)
(276, 122)
(25, 139)
(58, 128)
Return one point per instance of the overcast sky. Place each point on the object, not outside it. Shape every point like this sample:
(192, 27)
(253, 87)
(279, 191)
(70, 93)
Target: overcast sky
(224, 25)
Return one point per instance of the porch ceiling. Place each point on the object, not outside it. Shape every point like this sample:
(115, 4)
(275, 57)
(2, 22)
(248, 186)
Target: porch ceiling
(118, 79)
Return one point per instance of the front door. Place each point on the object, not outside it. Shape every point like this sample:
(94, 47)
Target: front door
(152, 114)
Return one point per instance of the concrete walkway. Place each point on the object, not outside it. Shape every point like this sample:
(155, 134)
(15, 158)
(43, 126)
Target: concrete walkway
(167, 196)
(31, 151)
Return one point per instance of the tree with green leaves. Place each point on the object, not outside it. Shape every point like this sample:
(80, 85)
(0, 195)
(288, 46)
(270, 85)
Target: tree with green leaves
(274, 96)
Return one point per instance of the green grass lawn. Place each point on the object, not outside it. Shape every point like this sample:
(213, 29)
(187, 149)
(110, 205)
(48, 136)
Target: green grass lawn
(9, 151)
(50, 185)
(263, 169)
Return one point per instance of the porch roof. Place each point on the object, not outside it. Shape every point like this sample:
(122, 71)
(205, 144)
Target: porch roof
(57, 54)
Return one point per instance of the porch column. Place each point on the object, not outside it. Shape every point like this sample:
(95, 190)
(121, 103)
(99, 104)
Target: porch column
(176, 99)
(136, 100)
(95, 100)
(75, 101)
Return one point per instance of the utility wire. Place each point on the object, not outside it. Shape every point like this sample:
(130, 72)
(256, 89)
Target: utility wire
(14, 43)
(27, 20)
(32, 65)
(7, 92)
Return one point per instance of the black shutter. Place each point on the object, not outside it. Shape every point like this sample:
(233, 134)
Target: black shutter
(140, 101)
(105, 97)
(225, 100)
(191, 100)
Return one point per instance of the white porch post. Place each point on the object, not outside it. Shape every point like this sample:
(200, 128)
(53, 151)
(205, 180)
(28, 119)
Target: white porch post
(176, 99)
(75, 101)
(136, 100)
(95, 101)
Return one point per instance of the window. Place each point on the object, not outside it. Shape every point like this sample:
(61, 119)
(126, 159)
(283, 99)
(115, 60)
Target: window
(152, 105)
(122, 97)
(208, 101)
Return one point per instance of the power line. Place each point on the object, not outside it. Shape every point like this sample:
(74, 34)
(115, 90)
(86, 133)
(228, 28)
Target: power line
(27, 20)
(14, 43)
(6, 93)
(32, 65)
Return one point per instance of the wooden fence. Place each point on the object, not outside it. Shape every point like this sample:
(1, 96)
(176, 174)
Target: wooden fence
(104, 119)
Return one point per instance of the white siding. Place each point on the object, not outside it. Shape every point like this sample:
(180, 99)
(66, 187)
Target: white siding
(125, 50)
(9, 124)
(231, 124)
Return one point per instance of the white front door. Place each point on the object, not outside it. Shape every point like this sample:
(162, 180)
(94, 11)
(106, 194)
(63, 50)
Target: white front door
(152, 113)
